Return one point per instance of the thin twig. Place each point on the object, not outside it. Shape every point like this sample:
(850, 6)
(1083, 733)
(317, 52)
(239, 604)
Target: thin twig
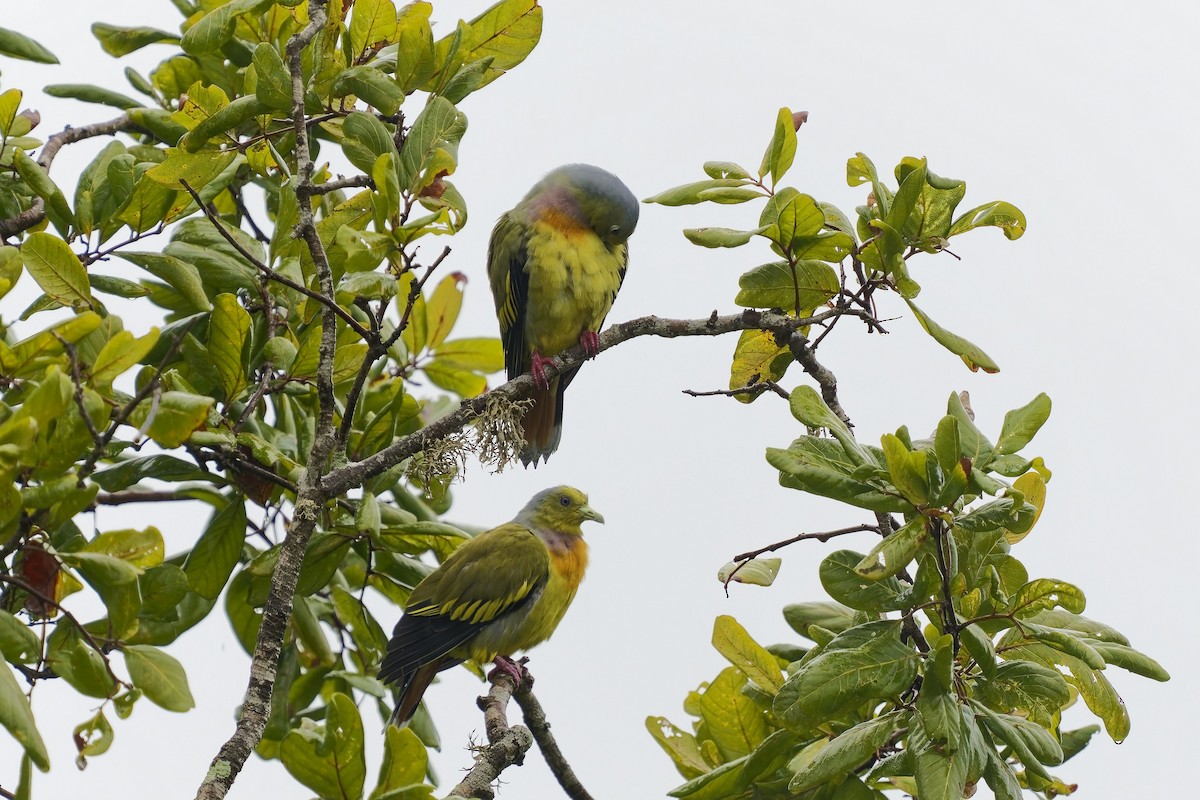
(356, 181)
(535, 718)
(506, 745)
(743, 559)
(753, 389)
(324, 300)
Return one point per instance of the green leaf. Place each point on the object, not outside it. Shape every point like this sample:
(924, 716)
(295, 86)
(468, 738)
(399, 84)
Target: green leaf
(907, 469)
(119, 354)
(725, 169)
(198, 169)
(755, 572)
(847, 751)
(506, 33)
(680, 746)
(782, 149)
(225, 119)
(141, 548)
(212, 30)
(720, 237)
(1125, 657)
(228, 330)
(821, 466)
(365, 140)
(92, 738)
(847, 586)
(431, 149)
(405, 761)
(789, 216)
(1005, 216)
(1022, 424)
(1000, 778)
(731, 640)
(181, 276)
(757, 357)
(15, 45)
(481, 355)
(77, 663)
(450, 377)
(972, 356)
(718, 784)
(56, 268)
(730, 196)
(88, 93)
(372, 26)
(18, 643)
(904, 202)
(159, 676)
(328, 758)
(172, 416)
(414, 47)
(734, 722)
(443, 306)
(894, 552)
(863, 663)
(216, 553)
(116, 581)
(117, 41)
(161, 467)
(1026, 688)
(940, 774)
(1065, 642)
(1030, 742)
(274, 86)
(689, 193)
(17, 717)
(1046, 593)
(777, 285)
(11, 267)
(370, 85)
(163, 588)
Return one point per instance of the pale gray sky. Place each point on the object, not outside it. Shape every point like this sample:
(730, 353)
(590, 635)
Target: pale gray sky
(1069, 110)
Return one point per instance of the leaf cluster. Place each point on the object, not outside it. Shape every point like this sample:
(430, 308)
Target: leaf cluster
(193, 211)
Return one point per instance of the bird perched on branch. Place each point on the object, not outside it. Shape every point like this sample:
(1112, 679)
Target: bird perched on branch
(502, 591)
(556, 262)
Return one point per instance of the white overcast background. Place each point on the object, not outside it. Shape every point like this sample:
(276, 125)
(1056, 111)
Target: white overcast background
(1082, 114)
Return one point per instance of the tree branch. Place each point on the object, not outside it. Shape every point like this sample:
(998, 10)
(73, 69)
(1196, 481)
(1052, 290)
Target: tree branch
(37, 211)
(345, 478)
(310, 498)
(535, 718)
(506, 745)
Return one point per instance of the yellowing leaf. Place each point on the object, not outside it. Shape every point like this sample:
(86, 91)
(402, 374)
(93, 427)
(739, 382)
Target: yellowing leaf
(120, 353)
(56, 269)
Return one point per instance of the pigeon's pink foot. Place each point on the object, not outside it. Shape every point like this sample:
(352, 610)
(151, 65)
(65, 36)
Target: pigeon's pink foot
(537, 367)
(590, 342)
(513, 669)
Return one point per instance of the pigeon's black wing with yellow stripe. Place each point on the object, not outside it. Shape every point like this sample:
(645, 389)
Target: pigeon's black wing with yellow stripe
(510, 288)
(488, 578)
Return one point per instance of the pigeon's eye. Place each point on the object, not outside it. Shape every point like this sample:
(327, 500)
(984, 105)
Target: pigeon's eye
(615, 229)
(566, 501)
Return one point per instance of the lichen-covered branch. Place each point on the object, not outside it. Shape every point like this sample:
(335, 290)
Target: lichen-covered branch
(506, 745)
(310, 498)
(784, 326)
